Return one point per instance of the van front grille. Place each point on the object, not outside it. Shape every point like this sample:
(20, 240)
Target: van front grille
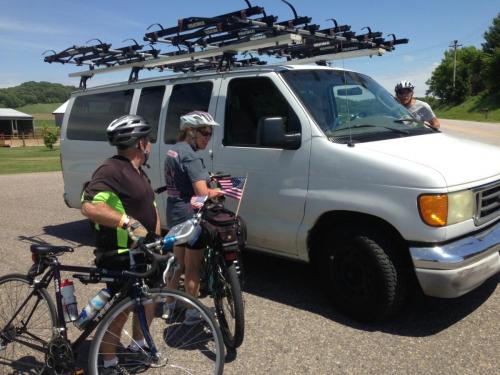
(487, 203)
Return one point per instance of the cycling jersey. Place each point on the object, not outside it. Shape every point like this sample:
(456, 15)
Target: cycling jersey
(421, 110)
(183, 167)
(117, 183)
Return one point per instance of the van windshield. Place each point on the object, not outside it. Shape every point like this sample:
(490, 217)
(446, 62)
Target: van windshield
(350, 106)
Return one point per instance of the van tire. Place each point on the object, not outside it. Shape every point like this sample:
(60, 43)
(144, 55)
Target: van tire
(363, 280)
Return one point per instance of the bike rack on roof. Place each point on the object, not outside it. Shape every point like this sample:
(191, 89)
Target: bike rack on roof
(221, 42)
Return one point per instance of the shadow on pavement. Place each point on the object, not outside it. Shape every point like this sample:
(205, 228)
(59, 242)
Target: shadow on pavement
(75, 234)
(78, 232)
(296, 284)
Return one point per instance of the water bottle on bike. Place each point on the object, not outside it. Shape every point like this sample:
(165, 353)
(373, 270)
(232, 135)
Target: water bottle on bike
(92, 308)
(69, 301)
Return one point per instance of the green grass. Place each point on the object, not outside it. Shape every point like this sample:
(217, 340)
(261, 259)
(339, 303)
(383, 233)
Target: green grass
(471, 109)
(39, 108)
(28, 159)
(41, 123)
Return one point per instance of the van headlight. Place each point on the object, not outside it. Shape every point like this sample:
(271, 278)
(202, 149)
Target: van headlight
(439, 210)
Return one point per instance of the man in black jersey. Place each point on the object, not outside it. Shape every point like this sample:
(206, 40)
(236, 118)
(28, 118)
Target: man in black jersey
(119, 200)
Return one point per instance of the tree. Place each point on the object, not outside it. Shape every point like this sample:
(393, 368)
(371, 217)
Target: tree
(492, 36)
(490, 75)
(468, 80)
(476, 70)
(491, 59)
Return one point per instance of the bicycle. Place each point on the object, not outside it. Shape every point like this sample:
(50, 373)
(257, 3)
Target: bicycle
(221, 271)
(34, 335)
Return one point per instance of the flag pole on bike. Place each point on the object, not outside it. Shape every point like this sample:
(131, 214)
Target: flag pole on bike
(234, 187)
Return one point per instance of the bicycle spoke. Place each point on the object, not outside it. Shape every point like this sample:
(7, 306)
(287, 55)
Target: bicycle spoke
(181, 348)
(26, 326)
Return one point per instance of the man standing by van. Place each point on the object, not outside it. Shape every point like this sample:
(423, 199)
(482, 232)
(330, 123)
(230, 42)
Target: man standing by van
(119, 199)
(419, 109)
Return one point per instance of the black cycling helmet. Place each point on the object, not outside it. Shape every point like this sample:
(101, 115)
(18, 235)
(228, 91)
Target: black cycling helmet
(126, 130)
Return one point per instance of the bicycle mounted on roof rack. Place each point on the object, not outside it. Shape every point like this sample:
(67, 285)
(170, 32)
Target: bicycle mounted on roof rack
(214, 43)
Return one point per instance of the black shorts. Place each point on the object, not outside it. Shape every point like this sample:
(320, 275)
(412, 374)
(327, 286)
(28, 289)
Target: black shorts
(117, 262)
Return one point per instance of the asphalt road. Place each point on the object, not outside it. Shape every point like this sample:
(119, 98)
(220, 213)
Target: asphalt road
(485, 132)
(291, 327)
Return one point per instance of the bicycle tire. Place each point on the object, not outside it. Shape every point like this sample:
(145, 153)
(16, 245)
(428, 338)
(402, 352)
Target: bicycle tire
(233, 329)
(193, 349)
(23, 345)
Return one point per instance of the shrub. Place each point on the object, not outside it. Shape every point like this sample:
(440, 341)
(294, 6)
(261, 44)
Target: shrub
(50, 138)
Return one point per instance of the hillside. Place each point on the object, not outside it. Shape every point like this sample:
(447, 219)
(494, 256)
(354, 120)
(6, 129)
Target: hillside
(40, 111)
(471, 109)
(34, 93)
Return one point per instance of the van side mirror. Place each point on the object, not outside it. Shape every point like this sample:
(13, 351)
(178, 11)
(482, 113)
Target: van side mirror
(271, 133)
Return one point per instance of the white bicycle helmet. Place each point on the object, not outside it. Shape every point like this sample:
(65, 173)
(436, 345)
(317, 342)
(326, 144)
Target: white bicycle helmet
(404, 85)
(197, 119)
(126, 130)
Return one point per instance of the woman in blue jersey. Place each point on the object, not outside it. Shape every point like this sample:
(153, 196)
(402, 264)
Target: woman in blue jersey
(186, 176)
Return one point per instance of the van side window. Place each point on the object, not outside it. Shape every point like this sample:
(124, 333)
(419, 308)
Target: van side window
(185, 98)
(91, 114)
(150, 107)
(248, 101)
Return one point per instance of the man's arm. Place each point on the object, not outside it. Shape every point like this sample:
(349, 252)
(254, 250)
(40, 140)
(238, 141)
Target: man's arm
(158, 226)
(101, 213)
(435, 123)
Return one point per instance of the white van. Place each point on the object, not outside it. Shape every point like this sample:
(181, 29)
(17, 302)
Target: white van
(338, 174)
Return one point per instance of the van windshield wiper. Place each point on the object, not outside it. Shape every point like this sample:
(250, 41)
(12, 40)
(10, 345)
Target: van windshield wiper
(406, 119)
(402, 120)
(396, 130)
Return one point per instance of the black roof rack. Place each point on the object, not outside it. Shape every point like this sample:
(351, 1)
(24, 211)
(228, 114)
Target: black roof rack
(223, 42)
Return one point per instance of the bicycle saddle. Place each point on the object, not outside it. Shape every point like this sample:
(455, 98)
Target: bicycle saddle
(50, 250)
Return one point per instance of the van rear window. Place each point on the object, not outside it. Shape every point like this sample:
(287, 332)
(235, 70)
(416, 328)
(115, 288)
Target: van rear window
(91, 114)
(150, 107)
(185, 98)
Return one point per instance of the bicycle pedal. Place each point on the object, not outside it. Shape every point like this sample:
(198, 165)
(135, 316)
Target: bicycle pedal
(79, 371)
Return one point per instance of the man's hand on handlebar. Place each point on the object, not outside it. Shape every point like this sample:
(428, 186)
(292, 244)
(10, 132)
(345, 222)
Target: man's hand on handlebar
(136, 230)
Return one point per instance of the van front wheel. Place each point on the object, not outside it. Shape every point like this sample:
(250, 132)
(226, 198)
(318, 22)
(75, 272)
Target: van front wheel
(361, 277)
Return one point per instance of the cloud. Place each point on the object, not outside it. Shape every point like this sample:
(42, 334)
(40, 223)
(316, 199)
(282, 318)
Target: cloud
(18, 45)
(417, 77)
(28, 27)
(408, 58)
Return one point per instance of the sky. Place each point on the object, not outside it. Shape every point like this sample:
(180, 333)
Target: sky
(28, 28)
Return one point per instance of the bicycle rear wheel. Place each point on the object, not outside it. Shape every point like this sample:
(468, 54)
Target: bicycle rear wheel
(182, 349)
(229, 306)
(24, 340)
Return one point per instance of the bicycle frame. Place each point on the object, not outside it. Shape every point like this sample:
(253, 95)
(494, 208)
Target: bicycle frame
(96, 275)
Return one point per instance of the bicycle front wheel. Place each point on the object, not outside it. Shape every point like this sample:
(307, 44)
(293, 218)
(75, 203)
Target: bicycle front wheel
(229, 306)
(193, 346)
(27, 318)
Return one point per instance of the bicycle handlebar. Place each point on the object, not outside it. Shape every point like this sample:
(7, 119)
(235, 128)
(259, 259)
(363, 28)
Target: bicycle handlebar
(156, 258)
(179, 234)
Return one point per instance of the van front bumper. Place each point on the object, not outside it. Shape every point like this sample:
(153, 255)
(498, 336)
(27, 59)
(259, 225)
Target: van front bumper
(453, 269)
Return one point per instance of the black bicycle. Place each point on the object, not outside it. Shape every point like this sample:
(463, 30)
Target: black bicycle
(221, 272)
(34, 336)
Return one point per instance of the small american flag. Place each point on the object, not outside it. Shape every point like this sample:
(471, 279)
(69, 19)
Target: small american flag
(198, 201)
(233, 187)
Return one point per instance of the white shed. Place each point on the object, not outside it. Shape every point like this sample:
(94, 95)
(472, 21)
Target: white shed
(59, 113)
(13, 122)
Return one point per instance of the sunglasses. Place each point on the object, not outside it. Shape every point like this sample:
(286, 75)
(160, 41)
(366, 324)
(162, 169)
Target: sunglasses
(205, 133)
(404, 92)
